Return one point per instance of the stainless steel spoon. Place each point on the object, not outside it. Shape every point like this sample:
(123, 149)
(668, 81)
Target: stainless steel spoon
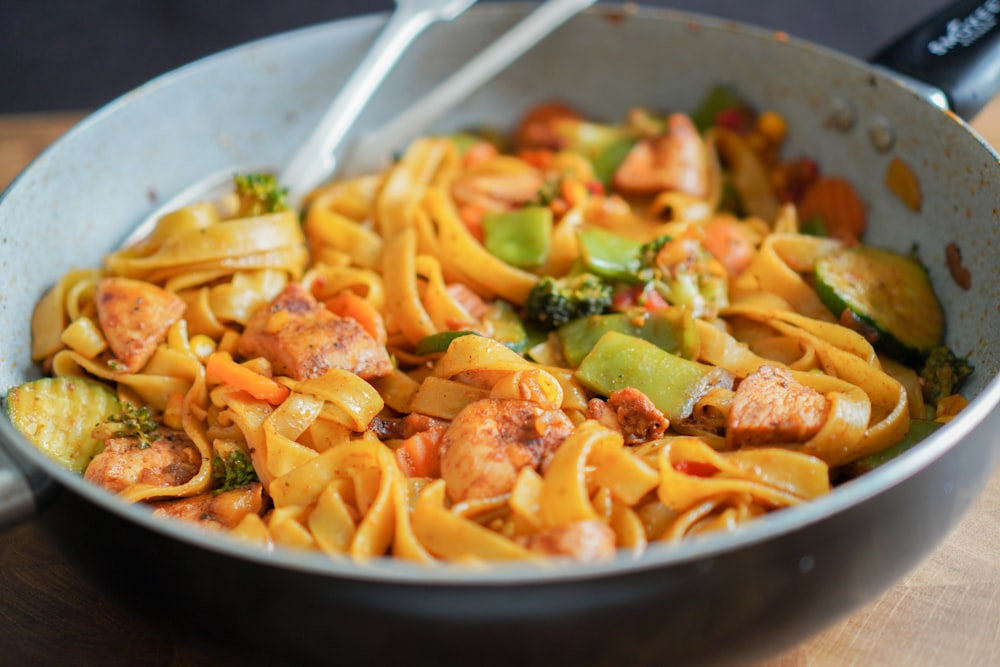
(315, 155)
(316, 160)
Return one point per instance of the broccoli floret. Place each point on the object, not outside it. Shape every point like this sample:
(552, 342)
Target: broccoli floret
(553, 302)
(232, 472)
(259, 194)
(131, 422)
(649, 250)
(943, 374)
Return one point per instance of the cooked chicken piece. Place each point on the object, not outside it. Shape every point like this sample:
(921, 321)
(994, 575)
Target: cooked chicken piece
(169, 460)
(631, 413)
(673, 161)
(223, 511)
(489, 441)
(135, 316)
(584, 540)
(539, 129)
(387, 428)
(303, 339)
(771, 408)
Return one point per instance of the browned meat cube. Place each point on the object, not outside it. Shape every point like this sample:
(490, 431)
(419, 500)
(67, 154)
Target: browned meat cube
(584, 540)
(303, 339)
(772, 408)
(222, 511)
(135, 316)
(630, 412)
(675, 160)
(170, 460)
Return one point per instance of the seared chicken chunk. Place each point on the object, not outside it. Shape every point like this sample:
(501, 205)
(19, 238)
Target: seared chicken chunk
(631, 413)
(675, 161)
(584, 540)
(303, 339)
(223, 511)
(135, 316)
(169, 460)
(491, 440)
(771, 408)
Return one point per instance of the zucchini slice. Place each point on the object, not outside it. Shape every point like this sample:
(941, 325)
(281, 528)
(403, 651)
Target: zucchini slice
(919, 429)
(889, 294)
(58, 414)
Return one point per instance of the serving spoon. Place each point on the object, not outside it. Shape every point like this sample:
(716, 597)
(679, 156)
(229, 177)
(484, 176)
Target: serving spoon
(316, 158)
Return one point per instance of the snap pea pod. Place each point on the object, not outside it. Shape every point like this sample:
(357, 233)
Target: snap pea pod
(672, 383)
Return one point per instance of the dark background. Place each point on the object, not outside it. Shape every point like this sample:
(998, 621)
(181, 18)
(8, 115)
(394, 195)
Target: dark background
(80, 54)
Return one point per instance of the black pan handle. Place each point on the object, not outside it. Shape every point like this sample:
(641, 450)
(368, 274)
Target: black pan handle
(957, 50)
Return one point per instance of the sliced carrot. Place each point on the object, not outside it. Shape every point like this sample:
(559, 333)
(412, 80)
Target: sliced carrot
(696, 468)
(902, 182)
(348, 304)
(420, 454)
(540, 158)
(472, 217)
(836, 202)
(223, 368)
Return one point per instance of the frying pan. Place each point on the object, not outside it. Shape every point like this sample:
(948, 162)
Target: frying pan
(717, 599)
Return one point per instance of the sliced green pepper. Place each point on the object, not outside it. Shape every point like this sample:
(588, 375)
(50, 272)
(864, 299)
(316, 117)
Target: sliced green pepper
(609, 158)
(609, 255)
(672, 383)
(438, 343)
(671, 329)
(522, 237)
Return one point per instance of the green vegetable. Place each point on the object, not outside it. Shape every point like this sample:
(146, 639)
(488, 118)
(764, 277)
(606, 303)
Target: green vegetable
(814, 226)
(438, 343)
(670, 329)
(464, 141)
(718, 99)
(943, 374)
(130, 422)
(604, 145)
(58, 416)
(233, 471)
(919, 429)
(609, 255)
(672, 383)
(259, 194)
(889, 294)
(609, 158)
(504, 325)
(521, 237)
(689, 275)
(552, 302)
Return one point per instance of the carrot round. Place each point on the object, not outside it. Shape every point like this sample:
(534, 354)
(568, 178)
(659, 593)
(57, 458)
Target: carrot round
(835, 201)
(223, 368)
(420, 454)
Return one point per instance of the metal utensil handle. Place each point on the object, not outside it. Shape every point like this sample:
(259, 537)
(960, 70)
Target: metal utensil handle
(484, 66)
(313, 161)
(18, 497)
(956, 50)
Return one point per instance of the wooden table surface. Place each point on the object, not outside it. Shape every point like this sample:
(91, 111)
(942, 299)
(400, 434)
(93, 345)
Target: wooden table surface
(945, 613)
